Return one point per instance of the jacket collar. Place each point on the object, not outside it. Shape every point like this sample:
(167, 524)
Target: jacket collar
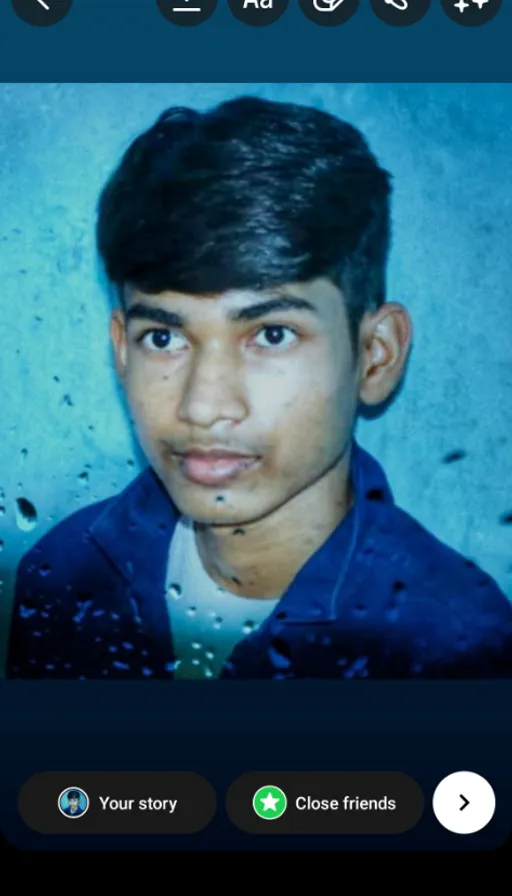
(135, 530)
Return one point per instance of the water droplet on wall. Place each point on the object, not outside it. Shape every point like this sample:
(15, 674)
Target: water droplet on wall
(26, 515)
(454, 456)
(171, 667)
(175, 591)
(123, 666)
(26, 612)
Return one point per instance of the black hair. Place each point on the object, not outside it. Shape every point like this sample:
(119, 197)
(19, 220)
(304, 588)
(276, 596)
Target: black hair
(252, 194)
(73, 795)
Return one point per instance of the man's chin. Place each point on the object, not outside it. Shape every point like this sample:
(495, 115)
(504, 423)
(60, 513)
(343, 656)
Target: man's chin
(215, 516)
(215, 508)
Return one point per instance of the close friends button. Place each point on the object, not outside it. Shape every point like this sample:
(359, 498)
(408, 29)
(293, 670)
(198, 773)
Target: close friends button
(117, 803)
(325, 803)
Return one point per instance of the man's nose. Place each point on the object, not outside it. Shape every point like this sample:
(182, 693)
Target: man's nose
(214, 389)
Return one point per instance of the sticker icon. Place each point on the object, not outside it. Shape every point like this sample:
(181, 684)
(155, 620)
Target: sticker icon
(329, 12)
(269, 802)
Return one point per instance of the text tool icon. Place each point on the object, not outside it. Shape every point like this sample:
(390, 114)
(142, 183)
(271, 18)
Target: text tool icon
(187, 12)
(258, 12)
(42, 13)
(400, 12)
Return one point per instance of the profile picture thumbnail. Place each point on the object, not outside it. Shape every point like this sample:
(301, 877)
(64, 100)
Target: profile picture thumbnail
(73, 802)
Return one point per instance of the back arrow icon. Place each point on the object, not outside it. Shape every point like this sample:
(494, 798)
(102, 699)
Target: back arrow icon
(465, 802)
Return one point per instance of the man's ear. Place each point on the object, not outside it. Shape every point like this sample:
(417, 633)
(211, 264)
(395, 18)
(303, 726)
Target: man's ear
(384, 343)
(118, 339)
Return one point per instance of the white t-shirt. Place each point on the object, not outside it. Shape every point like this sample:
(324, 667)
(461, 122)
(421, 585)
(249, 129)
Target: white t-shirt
(206, 620)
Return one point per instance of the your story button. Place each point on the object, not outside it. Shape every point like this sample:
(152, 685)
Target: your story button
(117, 803)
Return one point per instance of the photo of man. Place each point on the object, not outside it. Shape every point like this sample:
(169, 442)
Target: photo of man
(247, 248)
(73, 803)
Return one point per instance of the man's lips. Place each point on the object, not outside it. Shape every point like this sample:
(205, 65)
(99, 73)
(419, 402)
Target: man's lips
(215, 467)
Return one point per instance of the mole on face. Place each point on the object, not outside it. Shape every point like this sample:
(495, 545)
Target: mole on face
(239, 531)
(220, 499)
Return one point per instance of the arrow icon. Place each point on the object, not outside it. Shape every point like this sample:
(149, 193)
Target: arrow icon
(464, 801)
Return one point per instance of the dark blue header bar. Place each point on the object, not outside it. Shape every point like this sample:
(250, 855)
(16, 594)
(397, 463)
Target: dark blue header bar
(132, 40)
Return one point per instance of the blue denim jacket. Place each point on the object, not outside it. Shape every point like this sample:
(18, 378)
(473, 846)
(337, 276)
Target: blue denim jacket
(381, 598)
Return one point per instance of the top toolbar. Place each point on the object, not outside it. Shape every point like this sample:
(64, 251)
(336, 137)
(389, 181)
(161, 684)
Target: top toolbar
(260, 13)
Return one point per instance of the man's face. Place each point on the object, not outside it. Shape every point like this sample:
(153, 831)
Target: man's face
(73, 803)
(275, 386)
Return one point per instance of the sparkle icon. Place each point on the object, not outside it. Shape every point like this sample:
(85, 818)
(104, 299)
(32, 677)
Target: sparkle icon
(269, 802)
(471, 12)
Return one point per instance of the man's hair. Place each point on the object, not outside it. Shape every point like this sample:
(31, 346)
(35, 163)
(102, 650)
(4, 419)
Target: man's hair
(252, 194)
(73, 795)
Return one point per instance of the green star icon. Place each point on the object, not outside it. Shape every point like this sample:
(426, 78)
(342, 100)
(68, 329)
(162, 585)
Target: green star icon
(269, 802)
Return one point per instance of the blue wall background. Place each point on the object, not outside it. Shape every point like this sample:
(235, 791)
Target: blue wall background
(64, 437)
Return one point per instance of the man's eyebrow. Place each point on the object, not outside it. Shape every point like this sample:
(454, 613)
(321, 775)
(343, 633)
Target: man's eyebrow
(141, 311)
(283, 303)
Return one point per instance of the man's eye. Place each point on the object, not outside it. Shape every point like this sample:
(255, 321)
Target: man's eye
(276, 336)
(162, 340)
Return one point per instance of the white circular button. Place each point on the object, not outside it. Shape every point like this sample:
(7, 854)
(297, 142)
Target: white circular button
(464, 803)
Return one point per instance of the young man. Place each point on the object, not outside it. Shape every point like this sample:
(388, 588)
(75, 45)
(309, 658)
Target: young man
(73, 806)
(248, 248)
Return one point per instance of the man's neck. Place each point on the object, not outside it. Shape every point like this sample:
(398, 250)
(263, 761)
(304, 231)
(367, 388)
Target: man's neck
(262, 558)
